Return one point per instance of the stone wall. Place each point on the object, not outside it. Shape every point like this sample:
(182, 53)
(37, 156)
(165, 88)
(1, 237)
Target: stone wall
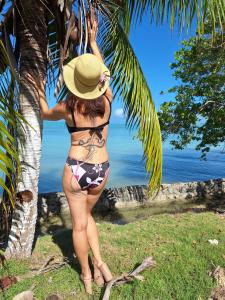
(133, 196)
(192, 191)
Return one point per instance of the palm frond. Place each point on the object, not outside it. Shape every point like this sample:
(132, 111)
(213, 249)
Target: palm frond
(9, 160)
(130, 84)
(182, 12)
(60, 25)
(6, 8)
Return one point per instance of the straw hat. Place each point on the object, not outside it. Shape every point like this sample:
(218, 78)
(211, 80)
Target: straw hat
(86, 77)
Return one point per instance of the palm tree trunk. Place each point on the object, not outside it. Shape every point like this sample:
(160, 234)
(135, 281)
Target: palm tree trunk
(32, 36)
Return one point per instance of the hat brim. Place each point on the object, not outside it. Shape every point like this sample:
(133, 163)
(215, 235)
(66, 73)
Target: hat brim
(80, 90)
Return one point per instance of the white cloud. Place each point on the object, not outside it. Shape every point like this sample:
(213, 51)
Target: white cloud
(119, 113)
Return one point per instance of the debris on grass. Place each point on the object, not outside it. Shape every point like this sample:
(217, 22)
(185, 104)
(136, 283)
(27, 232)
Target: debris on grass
(7, 281)
(213, 242)
(218, 293)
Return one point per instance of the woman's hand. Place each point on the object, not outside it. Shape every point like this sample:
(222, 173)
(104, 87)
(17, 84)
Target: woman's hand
(92, 34)
(38, 84)
(92, 29)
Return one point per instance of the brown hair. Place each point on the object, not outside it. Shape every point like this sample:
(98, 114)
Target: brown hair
(88, 108)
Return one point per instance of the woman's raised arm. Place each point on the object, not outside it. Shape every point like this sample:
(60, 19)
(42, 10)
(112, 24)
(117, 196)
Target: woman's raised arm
(56, 113)
(92, 34)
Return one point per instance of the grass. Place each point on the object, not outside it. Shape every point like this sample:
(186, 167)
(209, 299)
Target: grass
(178, 243)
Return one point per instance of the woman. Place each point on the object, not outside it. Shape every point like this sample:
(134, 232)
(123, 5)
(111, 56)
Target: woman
(87, 112)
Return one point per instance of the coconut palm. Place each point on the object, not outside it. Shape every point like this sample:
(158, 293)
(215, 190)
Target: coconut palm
(37, 38)
(29, 55)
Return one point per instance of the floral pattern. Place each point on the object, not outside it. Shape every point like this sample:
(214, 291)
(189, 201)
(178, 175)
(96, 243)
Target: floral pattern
(88, 175)
(97, 168)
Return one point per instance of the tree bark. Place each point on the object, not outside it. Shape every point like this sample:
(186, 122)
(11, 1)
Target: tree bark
(32, 37)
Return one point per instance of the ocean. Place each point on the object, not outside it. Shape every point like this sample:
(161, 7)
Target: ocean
(125, 155)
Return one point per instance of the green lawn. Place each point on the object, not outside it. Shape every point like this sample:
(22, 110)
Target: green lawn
(178, 243)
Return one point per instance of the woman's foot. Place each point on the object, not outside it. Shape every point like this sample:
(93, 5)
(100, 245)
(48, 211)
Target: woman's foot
(105, 271)
(98, 278)
(87, 281)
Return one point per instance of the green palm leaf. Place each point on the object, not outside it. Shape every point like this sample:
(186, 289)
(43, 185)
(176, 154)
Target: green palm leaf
(9, 120)
(180, 12)
(130, 84)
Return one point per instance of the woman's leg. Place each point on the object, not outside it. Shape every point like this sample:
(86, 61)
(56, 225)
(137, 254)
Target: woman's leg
(93, 239)
(92, 231)
(100, 269)
(77, 201)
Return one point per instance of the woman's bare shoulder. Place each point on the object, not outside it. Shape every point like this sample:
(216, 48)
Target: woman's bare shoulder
(108, 94)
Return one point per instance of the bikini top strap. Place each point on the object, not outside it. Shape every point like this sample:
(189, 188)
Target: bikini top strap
(72, 113)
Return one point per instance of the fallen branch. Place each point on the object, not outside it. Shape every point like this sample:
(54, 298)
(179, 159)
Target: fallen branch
(147, 263)
(53, 267)
(44, 269)
(50, 258)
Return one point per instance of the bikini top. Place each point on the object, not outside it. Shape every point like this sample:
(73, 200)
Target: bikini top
(98, 128)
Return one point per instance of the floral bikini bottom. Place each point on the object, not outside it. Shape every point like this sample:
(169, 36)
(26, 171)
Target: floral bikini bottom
(88, 175)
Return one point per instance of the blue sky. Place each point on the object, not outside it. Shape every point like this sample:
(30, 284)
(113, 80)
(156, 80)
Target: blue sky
(155, 47)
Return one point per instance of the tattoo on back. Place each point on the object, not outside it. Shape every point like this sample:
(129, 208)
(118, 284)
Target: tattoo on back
(91, 144)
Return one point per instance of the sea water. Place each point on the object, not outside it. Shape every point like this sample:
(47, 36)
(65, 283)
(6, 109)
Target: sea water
(125, 155)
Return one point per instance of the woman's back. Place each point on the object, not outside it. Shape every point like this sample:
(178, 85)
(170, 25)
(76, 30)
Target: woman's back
(89, 132)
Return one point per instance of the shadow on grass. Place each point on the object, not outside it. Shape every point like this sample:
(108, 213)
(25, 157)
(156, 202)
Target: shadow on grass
(63, 239)
(62, 233)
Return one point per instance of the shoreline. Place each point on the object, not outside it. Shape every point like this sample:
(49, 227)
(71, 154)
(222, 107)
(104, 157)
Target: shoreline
(211, 192)
(209, 181)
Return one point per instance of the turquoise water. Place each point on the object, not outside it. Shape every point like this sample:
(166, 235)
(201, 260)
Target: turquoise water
(127, 167)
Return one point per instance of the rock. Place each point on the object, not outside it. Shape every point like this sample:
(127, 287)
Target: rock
(54, 297)
(163, 198)
(26, 295)
(218, 293)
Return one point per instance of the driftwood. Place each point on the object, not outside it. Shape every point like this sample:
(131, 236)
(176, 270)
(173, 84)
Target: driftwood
(50, 258)
(44, 268)
(147, 263)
